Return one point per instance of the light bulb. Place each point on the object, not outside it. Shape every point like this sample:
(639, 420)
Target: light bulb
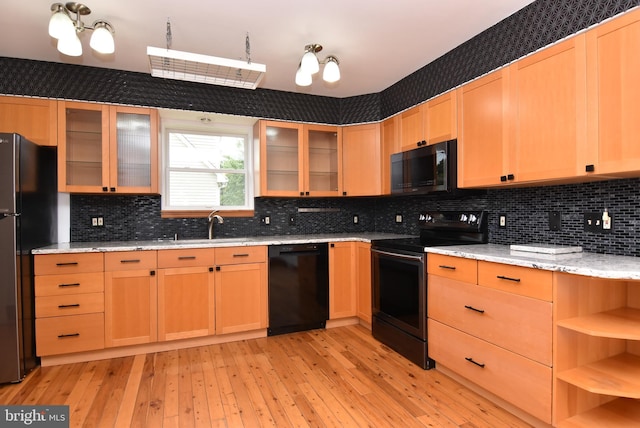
(102, 39)
(61, 26)
(70, 46)
(302, 78)
(309, 63)
(331, 71)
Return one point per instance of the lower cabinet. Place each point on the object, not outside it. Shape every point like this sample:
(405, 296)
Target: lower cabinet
(241, 289)
(350, 280)
(363, 264)
(485, 326)
(131, 308)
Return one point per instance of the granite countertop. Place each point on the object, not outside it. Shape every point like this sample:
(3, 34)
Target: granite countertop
(588, 264)
(100, 247)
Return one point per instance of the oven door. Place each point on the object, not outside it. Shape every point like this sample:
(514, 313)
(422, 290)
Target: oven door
(399, 290)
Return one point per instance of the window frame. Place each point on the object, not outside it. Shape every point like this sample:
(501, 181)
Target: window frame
(207, 125)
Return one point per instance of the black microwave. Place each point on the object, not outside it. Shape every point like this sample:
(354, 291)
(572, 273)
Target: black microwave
(427, 169)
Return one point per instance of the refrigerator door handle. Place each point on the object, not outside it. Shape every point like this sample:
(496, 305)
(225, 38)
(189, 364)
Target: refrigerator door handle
(10, 214)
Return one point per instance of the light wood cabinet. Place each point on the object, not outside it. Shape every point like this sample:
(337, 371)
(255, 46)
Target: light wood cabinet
(186, 294)
(390, 135)
(361, 160)
(69, 303)
(430, 122)
(342, 280)
(241, 289)
(478, 330)
(614, 97)
(363, 279)
(131, 298)
(35, 119)
(298, 159)
(105, 148)
(597, 352)
(412, 133)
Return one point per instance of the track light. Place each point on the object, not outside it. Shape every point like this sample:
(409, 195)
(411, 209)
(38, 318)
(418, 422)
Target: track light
(309, 65)
(67, 29)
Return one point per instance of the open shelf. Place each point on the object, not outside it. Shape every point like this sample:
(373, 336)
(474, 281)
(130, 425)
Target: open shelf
(617, 376)
(615, 414)
(622, 323)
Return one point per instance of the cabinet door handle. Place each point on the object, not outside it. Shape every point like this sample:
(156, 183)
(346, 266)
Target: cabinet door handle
(241, 255)
(474, 362)
(503, 178)
(62, 336)
(589, 168)
(67, 264)
(74, 284)
(218, 268)
(112, 189)
(447, 267)
(74, 305)
(481, 311)
(186, 257)
(105, 189)
(506, 278)
(130, 261)
(511, 177)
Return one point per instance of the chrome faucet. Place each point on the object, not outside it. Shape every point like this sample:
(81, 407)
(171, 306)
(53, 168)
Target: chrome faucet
(213, 216)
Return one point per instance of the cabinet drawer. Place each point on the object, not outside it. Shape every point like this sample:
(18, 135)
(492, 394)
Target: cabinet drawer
(516, 379)
(64, 335)
(237, 255)
(186, 257)
(59, 285)
(75, 304)
(458, 268)
(51, 264)
(521, 324)
(529, 282)
(130, 260)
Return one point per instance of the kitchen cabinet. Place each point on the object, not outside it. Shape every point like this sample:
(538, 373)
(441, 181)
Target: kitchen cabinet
(483, 320)
(131, 302)
(36, 119)
(342, 280)
(298, 159)
(69, 303)
(390, 144)
(186, 294)
(105, 148)
(614, 97)
(430, 122)
(363, 280)
(361, 160)
(597, 351)
(241, 289)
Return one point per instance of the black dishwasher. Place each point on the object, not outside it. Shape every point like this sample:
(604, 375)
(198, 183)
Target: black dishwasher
(298, 287)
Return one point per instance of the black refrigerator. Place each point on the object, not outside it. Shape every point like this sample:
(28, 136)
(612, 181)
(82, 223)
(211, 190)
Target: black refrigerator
(28, 219)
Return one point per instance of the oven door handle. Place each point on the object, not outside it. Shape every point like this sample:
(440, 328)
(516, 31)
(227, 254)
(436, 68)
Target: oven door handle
(399, 256)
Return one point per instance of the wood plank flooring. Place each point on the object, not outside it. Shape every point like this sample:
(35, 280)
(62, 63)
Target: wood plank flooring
(339, 377)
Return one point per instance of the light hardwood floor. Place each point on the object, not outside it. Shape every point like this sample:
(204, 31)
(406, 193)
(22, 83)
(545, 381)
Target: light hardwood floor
(338, 377)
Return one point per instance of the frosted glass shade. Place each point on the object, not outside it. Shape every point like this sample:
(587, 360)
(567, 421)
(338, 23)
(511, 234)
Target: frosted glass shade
(102, 39)
(70, 45)
(331, 71)
(61, 26)
(309, 63)
(302, 78)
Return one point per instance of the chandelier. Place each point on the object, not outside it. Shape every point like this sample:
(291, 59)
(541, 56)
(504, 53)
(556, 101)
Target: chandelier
(310, 65)
(66, 29)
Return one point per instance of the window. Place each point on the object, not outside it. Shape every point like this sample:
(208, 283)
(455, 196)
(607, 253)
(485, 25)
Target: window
(207, 168)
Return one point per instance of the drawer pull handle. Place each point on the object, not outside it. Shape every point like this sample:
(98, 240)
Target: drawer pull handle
(241, 255)
(481, 311)
(74, 305)
(187, 258)
(62, 336)
(447, 267)
(73, 284)
(67, 264)
(506, 278)
(474, 362)
(130, 261)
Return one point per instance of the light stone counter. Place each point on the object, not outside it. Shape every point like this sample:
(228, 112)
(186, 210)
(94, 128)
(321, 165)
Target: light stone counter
(588, 264)
(100, 247)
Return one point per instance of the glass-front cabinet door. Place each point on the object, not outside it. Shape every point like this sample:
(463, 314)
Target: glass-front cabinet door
(280, 159)
(105, 148)
(323, 160)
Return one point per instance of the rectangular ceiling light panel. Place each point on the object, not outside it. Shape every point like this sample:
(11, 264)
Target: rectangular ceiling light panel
(191, 67)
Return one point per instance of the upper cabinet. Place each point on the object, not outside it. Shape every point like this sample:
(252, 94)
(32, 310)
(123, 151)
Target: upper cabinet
(33, 118)
(429, 123)
(613, 89)
(298, 160)
(107, 149)
(361, 160)
(390, 136)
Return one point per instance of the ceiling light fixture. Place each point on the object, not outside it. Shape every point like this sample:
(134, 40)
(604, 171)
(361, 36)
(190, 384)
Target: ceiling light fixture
(309, 65)
(66, 29)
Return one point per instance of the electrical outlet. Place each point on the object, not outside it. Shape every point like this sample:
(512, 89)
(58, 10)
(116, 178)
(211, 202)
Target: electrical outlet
(555, 220)
(100, 221)
(593, 222)
(266, 220)
(398, 218)
(94, 221)
(356, 219)
(503, 220)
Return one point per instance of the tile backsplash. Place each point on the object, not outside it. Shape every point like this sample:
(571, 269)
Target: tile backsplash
(526, 210)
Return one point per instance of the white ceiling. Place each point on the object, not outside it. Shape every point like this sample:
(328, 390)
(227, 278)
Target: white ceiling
(378, 42)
